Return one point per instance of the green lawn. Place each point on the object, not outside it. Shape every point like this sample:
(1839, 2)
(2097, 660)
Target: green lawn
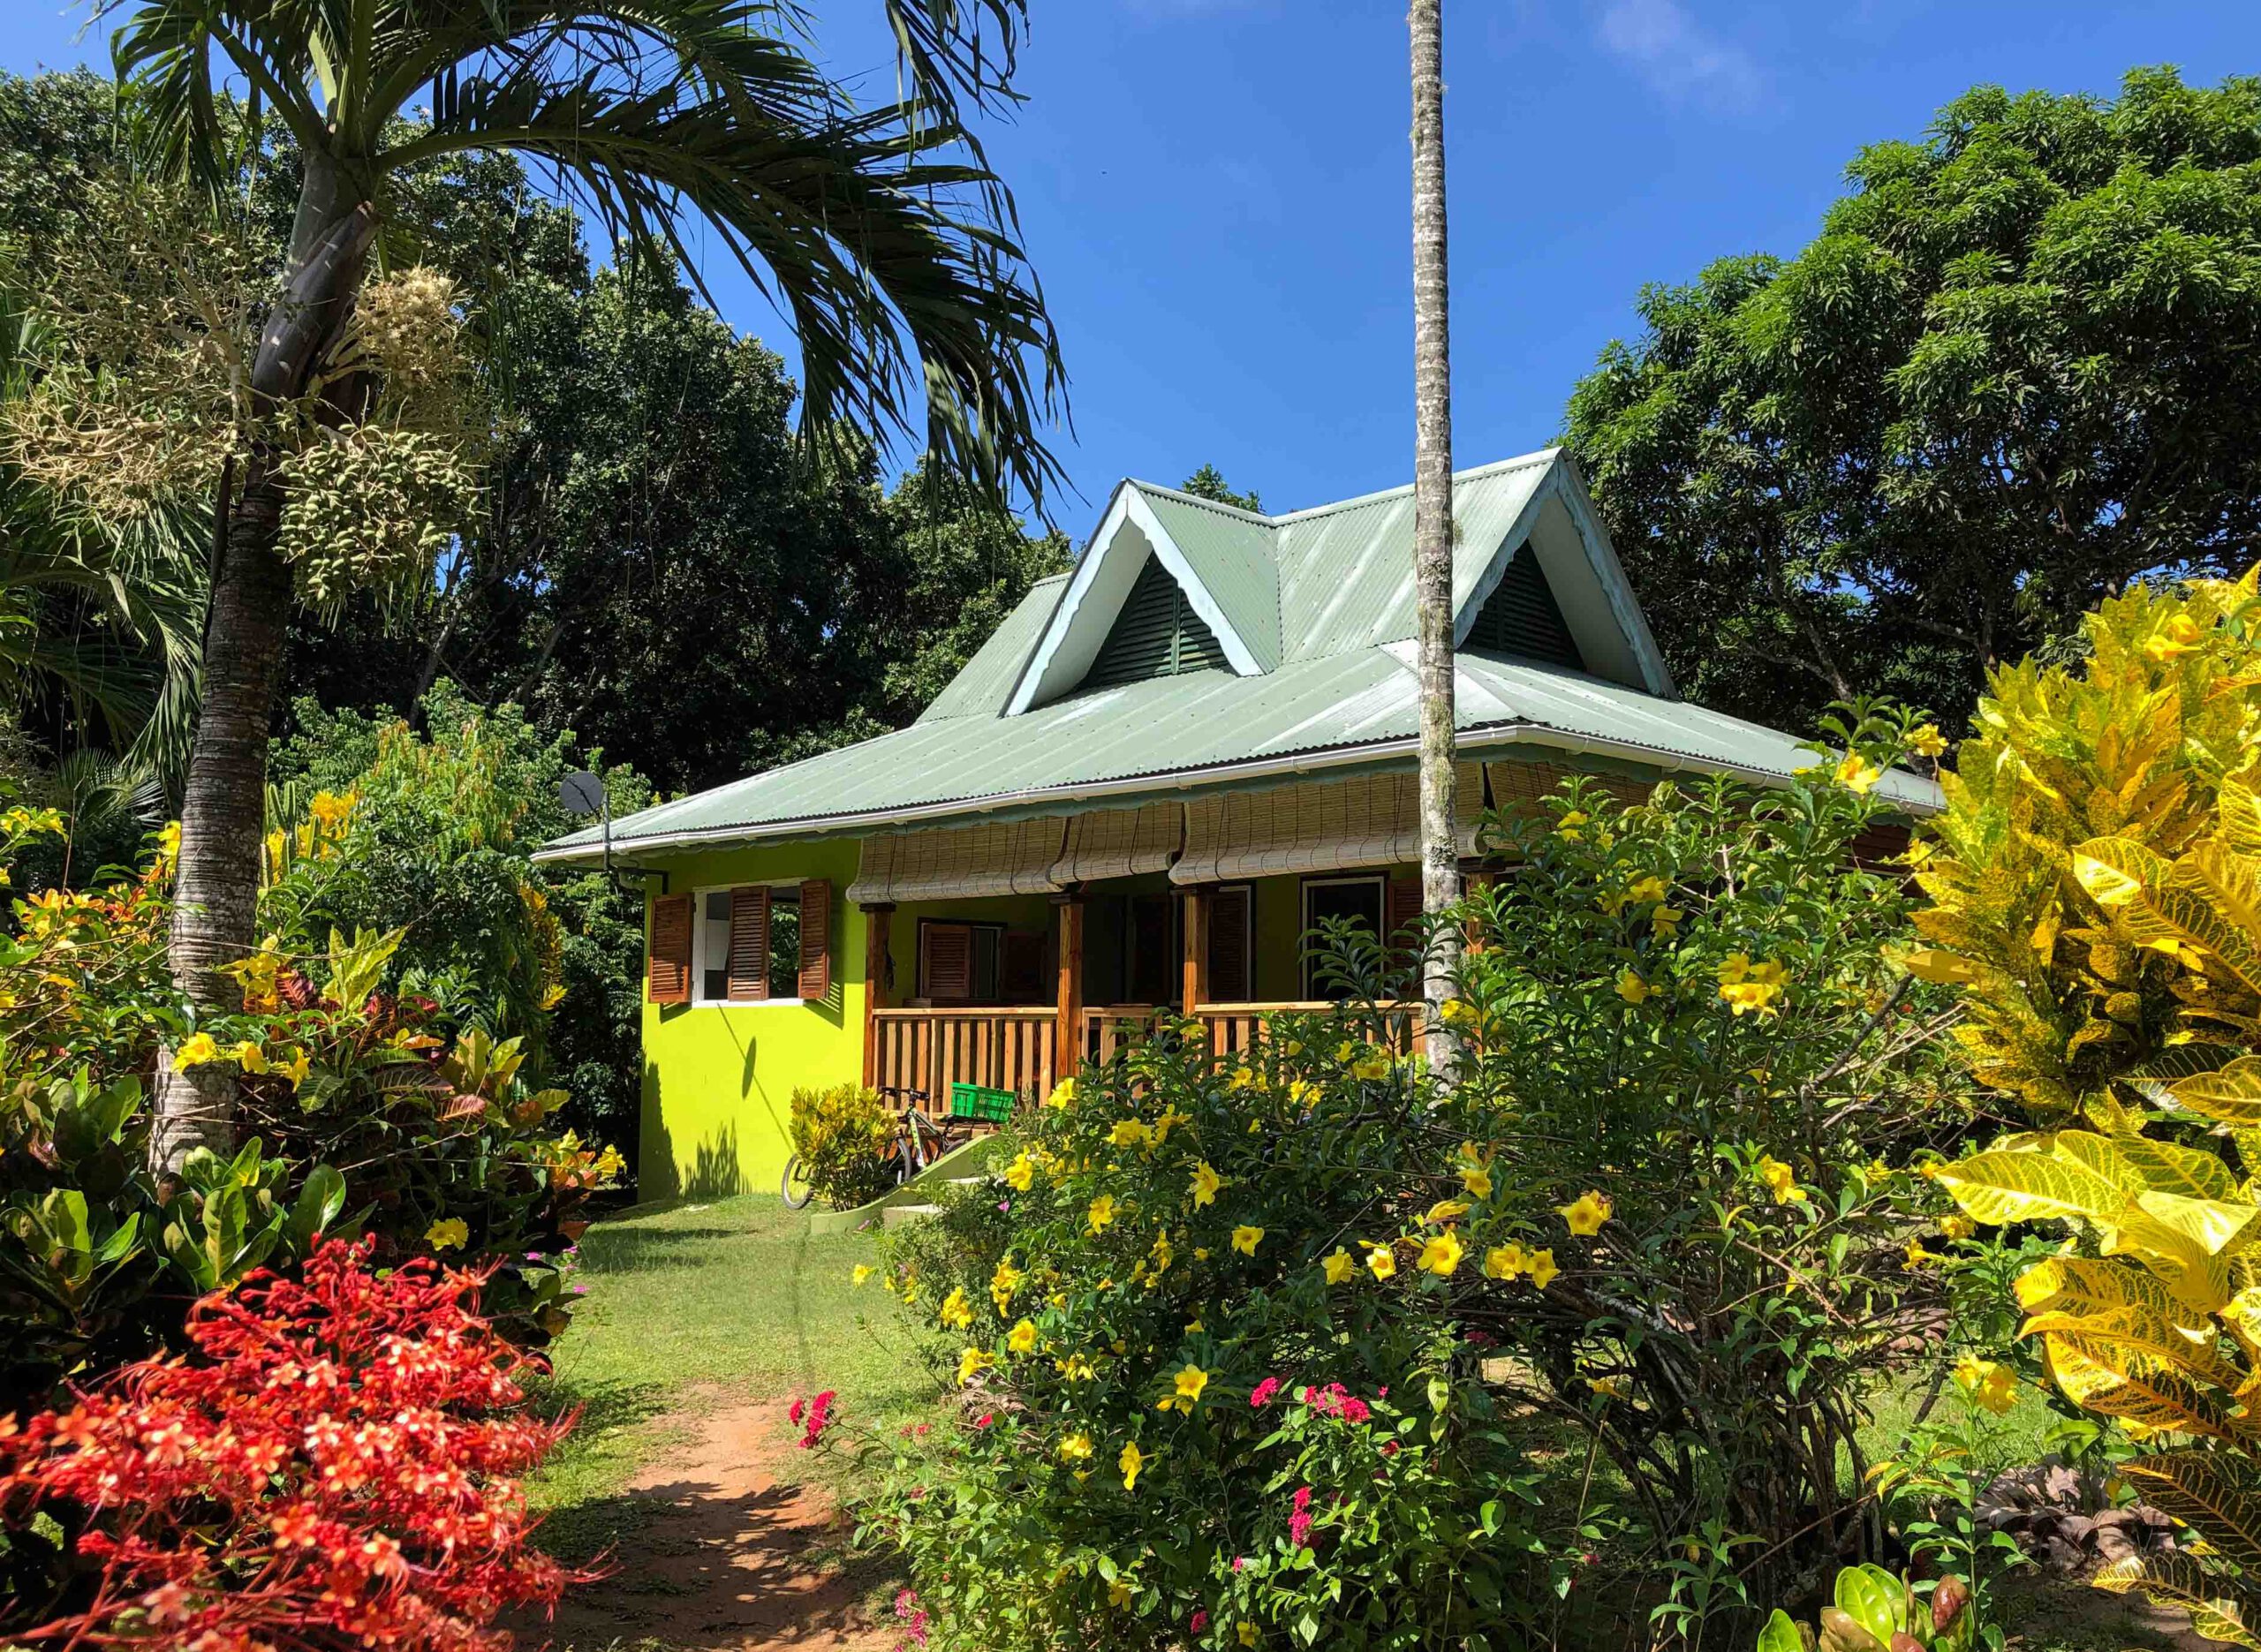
(690, 1295)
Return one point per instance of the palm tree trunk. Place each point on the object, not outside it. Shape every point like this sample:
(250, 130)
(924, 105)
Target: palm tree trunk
(216, 891)
(1432, 524)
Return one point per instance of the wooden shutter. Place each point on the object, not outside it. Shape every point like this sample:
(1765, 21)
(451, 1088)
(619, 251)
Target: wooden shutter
(1522, 617)
(946, 961)
(1020, 968)
(749, 961)
(666, 973)
(1229, 945)
(1400, 911)
(816, 937)
(1157, 634)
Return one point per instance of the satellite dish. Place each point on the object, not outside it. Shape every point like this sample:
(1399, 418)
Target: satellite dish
(582, 793)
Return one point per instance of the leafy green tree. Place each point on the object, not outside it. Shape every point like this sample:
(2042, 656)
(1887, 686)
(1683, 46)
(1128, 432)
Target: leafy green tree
(881, 232)
(2016, 369)
(1208, 482)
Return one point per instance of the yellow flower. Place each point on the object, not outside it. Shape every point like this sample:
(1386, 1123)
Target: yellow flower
(1856, 773)
(1664, 920)
(1102, 1212)
(1586, 1214)
(1504, 1261)
(1441, 1255)
(1118, 1592)
(972, 1363)
(2179, 637)
(1131, 1462)
(1540, 1265)
(1645, 889)
(1445, 1211)
(1347, 1049)
(1373, 1065)
(1021, 1173)
(1206, 1183)
(195, 1051)
(1247, 1631)
(1022, 1338)
(1454, 1011)
(1613, 1387)
(1076, 1368)
(1129, 1133)
(1567, 828)
(250, 1057)
(1927, 741)
(1243, 1078)
(1063, 1094)
(297, 1067)
(1004, 1283)
(1919, 853)
(863, 1272)
(1171, 1118)
(1245, 1238)
(450, 1234)
(955, 1313)
(1188, 1384)
(1632, 988)
(1781, 1179)
(1303, 1093)
(1957, 1226)
(1917, 1257)
(1381, 1261)
(1477, 1180)
(1076, 1447)
(1748, 987)
(1336, 1265)
(1992, 1385)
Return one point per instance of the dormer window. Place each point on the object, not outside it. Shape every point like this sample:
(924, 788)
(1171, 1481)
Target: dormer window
(1157, 634)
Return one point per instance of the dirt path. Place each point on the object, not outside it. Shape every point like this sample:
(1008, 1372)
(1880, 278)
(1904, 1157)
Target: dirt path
(729, 1554)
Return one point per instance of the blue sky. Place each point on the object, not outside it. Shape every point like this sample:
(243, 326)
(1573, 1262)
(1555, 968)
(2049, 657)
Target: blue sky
(1214, 191)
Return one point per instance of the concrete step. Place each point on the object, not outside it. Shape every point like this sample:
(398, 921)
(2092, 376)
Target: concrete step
(897, 1215)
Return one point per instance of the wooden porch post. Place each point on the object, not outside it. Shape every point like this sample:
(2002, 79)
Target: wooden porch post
(1197, 949)
(1474, 879)
(879, 982)
(1067, 1032)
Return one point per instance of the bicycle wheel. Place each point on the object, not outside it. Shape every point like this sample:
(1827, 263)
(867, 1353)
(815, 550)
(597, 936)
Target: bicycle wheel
(793, 1187)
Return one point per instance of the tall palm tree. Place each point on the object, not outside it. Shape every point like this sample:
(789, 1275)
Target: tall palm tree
(880, 232)
(1433, 529)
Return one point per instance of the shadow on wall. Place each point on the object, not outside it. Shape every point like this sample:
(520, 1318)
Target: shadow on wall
(713, 1171)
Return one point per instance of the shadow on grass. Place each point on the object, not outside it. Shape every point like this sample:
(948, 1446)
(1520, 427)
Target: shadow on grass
(635, 1249)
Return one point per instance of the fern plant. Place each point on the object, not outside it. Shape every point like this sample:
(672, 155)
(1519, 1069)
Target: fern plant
(2099, 898)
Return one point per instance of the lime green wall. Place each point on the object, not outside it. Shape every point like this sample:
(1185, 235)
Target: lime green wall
(718, 1079)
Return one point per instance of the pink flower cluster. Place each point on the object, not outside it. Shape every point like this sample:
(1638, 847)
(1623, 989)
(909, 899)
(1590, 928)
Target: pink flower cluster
(1299, 1522)
(912, 1616)
(1335, 1400)
(817, 1414)
(1262, 1394)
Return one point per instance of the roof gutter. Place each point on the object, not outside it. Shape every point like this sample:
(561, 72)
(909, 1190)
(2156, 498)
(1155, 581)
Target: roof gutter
(1190, 780)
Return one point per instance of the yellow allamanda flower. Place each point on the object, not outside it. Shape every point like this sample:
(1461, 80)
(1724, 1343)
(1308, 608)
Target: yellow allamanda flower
(1540, 1266)
(1381, 1261)
(955, 1314)
(1568, 828)
(196, 1050)
(2180, 636)
(1664, 920)
(1927, 741)
(1456, 1011)
(1303, 1093)
(297, 1067)
(1371, 1066)
(1206, 1183)
(1247, 1632)
(1504, 1261)
(1336, 1265)
(250, 1057)
(1441, 1255)
(1585, 1214)
(1129, 1133)
(1131, 1462)
(1477, 1180)
(1633, 987)
(1856, 774)
(972, 1362)
(1992, 1385)
(1118, 1594)
(1917, 1257)
(1646, 889)
(1021, 1173)
(1076, 1368)
(1187, 1386)
(1022, 1338)
(1918, 854)
(453, 1234)
(1957, 1226)
(1101, 1213)
(1347, 1051)
(1063, 1096)
(863, 1273)
(1076, 1447)
(1245, 1238)
(1445, 1211)
(1781, 1179)
(1244, 1078)
(1004, 1283)
(1171, 1118)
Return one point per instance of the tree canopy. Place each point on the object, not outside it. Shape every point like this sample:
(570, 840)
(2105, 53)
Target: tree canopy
(2016, 370)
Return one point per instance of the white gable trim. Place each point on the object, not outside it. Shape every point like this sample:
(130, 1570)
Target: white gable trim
(1562, 482)
(1058, 662)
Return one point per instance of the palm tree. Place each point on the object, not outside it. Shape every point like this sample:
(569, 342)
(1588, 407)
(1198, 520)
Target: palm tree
(880, 232)
(1432, 528)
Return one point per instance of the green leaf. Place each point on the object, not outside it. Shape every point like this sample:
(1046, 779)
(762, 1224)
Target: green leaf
(2207, 1494)
(1780, 1634)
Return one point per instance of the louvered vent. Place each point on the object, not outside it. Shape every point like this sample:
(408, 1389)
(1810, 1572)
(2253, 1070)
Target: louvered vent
(1522, 617)
(1157, 635)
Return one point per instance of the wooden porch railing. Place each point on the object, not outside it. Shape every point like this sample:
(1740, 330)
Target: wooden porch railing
(1008, 1048)
(1233, 1028)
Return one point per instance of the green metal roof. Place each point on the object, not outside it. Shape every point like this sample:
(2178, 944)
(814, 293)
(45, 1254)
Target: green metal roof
(1323, 600)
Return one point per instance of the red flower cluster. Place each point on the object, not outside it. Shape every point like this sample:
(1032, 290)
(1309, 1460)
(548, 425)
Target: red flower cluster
(335, 1466)
(1299, 1522)
(1335, 1400)
(818, 1415)
(1261, 1395)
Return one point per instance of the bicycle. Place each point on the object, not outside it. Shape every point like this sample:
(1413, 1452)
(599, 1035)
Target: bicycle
(919, 1141)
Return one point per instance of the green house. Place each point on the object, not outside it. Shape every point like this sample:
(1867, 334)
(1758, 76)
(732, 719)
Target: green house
(1161, 769)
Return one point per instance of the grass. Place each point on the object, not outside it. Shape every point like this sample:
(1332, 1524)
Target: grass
(689, 1296)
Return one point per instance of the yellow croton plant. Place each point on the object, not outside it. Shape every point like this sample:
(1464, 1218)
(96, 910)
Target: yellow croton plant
(2097, 889)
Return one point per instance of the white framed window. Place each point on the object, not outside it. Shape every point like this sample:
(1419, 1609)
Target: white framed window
(746, 944)
(1360, 899)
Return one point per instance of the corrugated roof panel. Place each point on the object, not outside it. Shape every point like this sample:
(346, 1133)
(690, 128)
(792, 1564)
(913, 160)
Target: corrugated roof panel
(1231, 552)
(987, 682)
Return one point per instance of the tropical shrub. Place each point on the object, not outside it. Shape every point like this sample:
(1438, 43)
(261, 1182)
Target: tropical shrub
(2098, 895)
(1665, 1216)
(1871, 1610)
(844, 1135)
(335, 1463)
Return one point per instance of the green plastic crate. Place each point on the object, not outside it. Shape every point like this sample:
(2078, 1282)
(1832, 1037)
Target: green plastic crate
(978, 1101)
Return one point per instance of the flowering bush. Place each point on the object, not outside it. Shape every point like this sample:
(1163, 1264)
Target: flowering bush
(845, 1136)
(337, 1463)
(1288, 1345)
